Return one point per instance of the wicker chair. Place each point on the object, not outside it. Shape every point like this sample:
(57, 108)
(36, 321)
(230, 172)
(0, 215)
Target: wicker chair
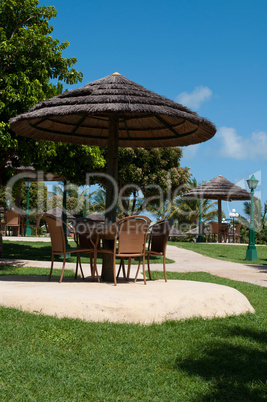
(236, 234)
(85, 237)
(58, 243)
(216, 229)
(13, 219)
(157, 245)
(129, 236)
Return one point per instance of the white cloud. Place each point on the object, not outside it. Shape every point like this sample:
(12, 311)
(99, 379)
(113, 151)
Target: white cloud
(190, 151)
(237, 147)
(196, 98)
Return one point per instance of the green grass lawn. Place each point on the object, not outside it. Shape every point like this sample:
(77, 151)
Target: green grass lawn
(34, 271)
(229, 252)
(41, 251)
(224, 359)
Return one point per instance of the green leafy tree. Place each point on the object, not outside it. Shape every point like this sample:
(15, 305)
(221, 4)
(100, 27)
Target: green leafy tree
(29, 59)
(71, 162)
(99, 200)
(148, 177)
(75, 200)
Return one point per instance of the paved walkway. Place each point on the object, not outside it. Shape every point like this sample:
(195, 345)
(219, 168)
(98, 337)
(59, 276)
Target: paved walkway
(189, 261)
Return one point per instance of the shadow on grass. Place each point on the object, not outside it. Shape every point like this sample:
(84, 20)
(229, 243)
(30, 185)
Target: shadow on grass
(40, 251)
(253, 335)
(236, 373)
(36, 278)
(9, 273)
(30, 251)
(20, 273)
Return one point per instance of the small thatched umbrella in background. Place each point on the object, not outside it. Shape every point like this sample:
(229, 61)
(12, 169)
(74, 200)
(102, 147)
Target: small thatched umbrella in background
(57, 212)
(95, 216)
(113, 112)
(176, 233)
(219, 189)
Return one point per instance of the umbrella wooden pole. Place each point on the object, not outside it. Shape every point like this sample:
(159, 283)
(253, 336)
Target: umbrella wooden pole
(111, 193)
(112, 168)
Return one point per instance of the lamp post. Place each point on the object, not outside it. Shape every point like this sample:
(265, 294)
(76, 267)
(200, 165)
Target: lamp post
(200, 238)
(28, 229)
(85, 204)
(251, 254)
(7, 208)
(234, 215)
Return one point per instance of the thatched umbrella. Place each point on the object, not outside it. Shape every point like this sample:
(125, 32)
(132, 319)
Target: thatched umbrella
(195, 232)
(58, 213)
(96, 216)
(219, 189)
(176, 233)
(113, 112)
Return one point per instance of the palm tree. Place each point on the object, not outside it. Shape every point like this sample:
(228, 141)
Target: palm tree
(98, 202)
(260, 214)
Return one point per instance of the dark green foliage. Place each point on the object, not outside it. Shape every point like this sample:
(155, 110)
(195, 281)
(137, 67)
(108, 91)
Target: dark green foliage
(30, 58)
(154, 171)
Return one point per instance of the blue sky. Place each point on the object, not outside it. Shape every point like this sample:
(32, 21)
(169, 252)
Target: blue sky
(208, 55)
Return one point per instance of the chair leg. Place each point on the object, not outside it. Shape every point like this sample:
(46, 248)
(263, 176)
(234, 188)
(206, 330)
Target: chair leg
(148, 266)
(63, 268)
(137, 272)
(129, 268)
(76, 271)
(51, 269)
(114, 269)
(80, 264)
(164, 267)
(95, 268)
(122, 259)
(92, 267)
(144, 272)
(123, 268)
(96, 272)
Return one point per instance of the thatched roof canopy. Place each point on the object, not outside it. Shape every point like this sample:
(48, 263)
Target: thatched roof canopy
(195, 231)
(96, 216)
(218, 188)
(81, 116)
(33, 175)
(176, 233)
(57, 212)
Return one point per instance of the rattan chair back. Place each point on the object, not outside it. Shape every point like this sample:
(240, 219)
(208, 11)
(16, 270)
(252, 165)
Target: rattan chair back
(159, 235)
(56, 231)
(12, 219)
(132, 236)
(84, 231)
